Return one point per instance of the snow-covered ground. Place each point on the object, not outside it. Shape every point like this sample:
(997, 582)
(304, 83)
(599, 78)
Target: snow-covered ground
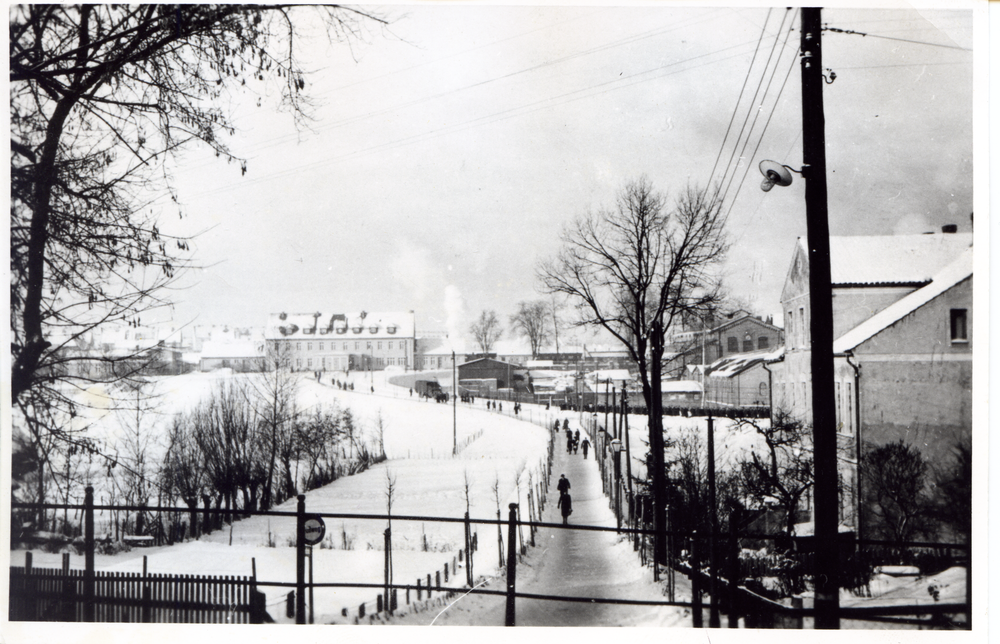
(495, 450)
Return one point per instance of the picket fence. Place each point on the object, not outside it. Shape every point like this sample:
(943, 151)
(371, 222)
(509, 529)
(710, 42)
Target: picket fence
(43, 594)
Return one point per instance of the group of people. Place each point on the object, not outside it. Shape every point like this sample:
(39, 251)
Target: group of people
(573, 443)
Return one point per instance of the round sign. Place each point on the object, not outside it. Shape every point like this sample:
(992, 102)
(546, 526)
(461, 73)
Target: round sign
(315, 529)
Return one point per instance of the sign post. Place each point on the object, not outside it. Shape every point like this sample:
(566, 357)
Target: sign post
(314, 529)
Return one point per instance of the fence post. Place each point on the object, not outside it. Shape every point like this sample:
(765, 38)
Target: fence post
(300, 561)
(388, 549)
(446, 572)
(147, 607)
(734, 569)
(468, 551)
(69, 598)
(418, 589)
(696, 615)
(428, 585)
(88, 567)
(511, 563)
(437, 580)
(499, 539)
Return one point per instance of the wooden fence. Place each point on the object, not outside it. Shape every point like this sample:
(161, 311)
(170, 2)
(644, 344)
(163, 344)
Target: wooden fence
(40, 594)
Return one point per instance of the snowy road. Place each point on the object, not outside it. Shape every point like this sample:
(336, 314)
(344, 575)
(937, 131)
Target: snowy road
(570, 563)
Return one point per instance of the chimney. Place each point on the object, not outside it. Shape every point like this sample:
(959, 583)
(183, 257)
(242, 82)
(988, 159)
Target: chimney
(949, 228)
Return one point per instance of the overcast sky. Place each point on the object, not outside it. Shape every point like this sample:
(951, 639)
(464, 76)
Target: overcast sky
(449, 151)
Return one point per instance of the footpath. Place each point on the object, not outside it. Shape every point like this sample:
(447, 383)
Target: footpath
(571, 563)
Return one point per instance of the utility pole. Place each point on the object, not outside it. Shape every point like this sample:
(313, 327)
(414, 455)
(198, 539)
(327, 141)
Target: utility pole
(827, 600)
(454, 403)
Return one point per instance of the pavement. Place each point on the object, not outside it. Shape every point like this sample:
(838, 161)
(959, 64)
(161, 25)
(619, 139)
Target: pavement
(565, 562)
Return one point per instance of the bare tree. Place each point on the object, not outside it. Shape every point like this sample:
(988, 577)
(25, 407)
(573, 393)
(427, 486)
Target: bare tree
(486, 330)
(531, 321)
(101, 97)
(273, 399)
(784, 473)
(894, 477)
(632, 271)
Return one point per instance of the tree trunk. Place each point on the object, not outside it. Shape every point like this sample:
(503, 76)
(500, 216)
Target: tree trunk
(655, 407)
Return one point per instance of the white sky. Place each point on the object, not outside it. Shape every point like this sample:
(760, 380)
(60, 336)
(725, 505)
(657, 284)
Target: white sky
(449, 151)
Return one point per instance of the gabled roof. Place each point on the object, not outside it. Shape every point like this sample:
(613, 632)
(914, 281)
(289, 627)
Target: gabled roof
(952, 274)
(745, 317)
(893, 259)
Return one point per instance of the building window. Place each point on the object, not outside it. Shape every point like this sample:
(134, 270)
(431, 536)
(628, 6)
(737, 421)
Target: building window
(368, 345)
(379, 347)
(345, 346)
(747, 343)
(298, 346)
(320, 346)
(762, 342)
(309, 346)
(802, 326)
(959, 325)
(298, 363)
(357, 345)
(390, 345)
(732, 345)
(309, 363)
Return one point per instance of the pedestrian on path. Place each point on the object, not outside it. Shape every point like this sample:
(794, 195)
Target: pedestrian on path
(569, 445)
(586, 446)
(566, 505)
(563, 485)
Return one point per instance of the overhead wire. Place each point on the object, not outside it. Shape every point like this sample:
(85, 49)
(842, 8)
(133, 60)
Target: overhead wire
(760, 139)
(732, 118)
(731, 164)
(617, 83)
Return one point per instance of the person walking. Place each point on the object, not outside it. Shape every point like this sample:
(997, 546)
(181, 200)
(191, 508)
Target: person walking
(563, 485)
(586, 446)
(566, 505)
(569, 444)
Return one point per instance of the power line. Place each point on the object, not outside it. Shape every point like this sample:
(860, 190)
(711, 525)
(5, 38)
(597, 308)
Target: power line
(746, 79)
(618, 83)
(774, 48)
(851, 32)
(763, 131)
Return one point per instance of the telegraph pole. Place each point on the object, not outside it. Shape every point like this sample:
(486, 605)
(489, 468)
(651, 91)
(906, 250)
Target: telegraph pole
(454, 405)
(825, 515)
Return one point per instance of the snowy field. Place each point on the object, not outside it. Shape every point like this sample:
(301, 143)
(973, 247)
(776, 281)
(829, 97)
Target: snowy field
(495, 451)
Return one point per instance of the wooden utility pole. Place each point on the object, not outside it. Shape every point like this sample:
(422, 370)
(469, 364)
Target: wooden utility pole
(825, 513)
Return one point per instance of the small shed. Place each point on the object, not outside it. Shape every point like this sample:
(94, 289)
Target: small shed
(506, 375)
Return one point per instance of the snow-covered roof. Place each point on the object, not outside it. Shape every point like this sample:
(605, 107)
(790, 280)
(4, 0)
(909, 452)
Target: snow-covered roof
(952, 274)
(734, 365)
(893, 259)
(232, 349)
(614, 375)
(335, 326)
(680, 387)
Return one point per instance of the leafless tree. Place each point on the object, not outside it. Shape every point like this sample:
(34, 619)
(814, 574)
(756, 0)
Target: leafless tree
(632, 271)
(894, 479)
(101, 97)
(784, 473)
(486, 330)
(273, 398)
(531, 321)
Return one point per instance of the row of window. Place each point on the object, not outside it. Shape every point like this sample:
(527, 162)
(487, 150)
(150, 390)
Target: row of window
(357, 345)
(342, 363)
(733, 344)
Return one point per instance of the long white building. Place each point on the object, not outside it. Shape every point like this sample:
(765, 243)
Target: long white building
(354, 341)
